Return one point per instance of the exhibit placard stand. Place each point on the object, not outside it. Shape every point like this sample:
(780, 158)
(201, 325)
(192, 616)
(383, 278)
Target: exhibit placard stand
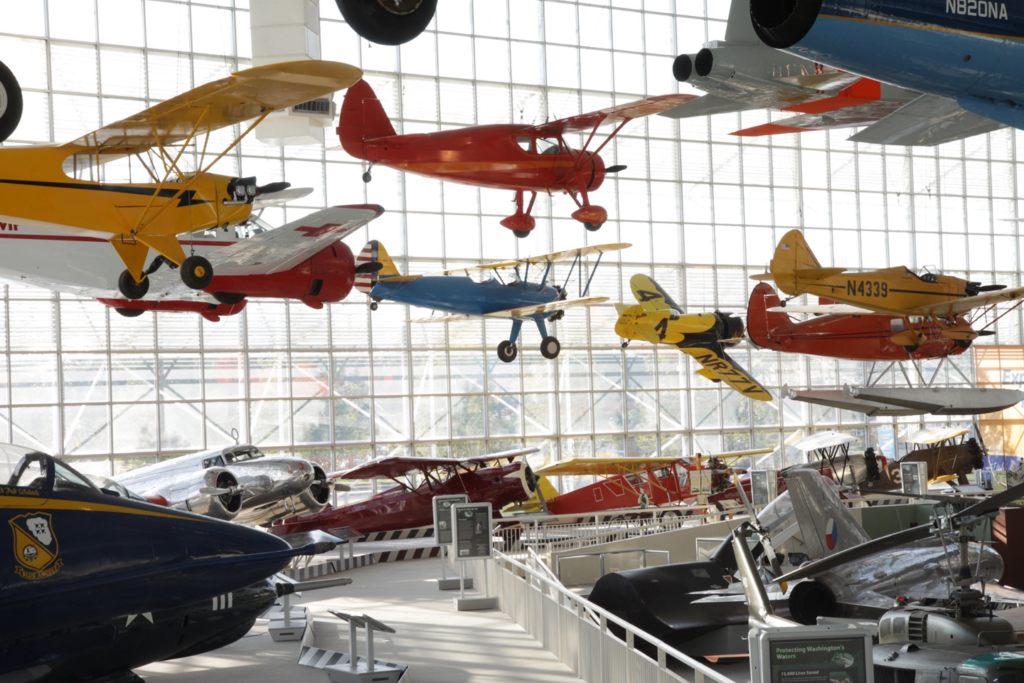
(443, 535)
(764, 487)
(472, 539)
(367, 669)
(914, 478)
(833, 653)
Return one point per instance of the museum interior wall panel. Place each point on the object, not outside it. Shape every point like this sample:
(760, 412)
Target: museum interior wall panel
(703, 210)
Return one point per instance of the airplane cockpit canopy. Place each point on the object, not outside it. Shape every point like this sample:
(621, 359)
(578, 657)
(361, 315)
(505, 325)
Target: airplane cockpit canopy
(241, 454)
(25, 468)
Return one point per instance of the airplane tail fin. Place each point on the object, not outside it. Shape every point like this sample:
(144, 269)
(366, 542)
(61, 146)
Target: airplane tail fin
(826, 525)
(739, 29)
(372, 262)
(650, 294)
(362, 119)
(762, 323)
(793, 260)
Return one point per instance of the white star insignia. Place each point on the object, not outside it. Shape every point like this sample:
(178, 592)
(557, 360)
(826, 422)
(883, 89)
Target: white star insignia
(131, 618)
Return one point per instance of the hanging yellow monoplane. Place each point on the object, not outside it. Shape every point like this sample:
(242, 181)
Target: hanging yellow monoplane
(43, 187)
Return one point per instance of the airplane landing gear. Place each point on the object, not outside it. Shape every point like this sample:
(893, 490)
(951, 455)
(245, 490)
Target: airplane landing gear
(130, 312)
(521, 222)
(591, 227)
(507, 351)
(130, 288)
(196, 272)
(366, 176)
(228, 298)
(390, 22)
(550, 348)
(11, 103)
(624, 344)
(373, 306)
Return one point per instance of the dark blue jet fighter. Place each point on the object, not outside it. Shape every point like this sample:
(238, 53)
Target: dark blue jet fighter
(456, 293)
(965, 57)
(93, 584)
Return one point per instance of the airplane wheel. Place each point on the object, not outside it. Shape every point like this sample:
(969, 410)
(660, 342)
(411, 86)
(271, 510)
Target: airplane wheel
(196, 272)
(388, 22)
(591, 227)
(10, 103)
(507, 351)
(130, 312)
(373, 306)
(549, 348)
(911, 349)
(521, 233)
(367, 177)
(228, 298)
(962, 344)
(624, 344)
(130, 288)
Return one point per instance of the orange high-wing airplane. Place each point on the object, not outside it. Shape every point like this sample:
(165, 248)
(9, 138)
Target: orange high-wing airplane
(59, 188)
(508, 156)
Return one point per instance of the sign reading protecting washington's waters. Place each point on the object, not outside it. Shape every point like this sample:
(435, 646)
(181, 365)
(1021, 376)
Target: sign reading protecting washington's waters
(818, 660)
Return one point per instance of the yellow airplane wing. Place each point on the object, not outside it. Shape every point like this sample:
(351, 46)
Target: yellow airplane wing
(734, 455)
(951, 308)
(728, 370)
(525, 311)
(650, 295)
(239, 97)
(602, 467)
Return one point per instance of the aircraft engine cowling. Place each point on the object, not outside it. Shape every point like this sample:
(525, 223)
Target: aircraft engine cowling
(188, 494)
(682, 67)
(810, 600)
(707, 66)
(326, 277)
(783, 23)
(311, 501)
(593, 171)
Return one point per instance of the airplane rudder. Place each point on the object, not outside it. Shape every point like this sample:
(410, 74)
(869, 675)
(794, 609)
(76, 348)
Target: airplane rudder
(762, 323)
(362, 119)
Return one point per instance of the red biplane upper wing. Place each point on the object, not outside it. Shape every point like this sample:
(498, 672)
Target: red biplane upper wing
(498, 457)
(584, 123)
(393, 467)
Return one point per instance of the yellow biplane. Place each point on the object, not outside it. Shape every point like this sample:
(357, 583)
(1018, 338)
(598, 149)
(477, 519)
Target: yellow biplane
(702, 336)
(896, 291)
(42, 187)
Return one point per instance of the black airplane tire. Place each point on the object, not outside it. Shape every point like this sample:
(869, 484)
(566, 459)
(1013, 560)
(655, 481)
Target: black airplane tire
(507, 351)
(521, 234)
(11, 103)
(367, 177)
(129, 312)
(591, 227)
(130, 288)
(228, 298)
(912, 348)
(196, 272)
(372, 20)
(550, 348)
(962, 343)
(374, 306)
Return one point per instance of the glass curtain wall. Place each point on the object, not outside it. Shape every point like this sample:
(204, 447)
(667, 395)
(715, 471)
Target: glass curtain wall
(702, 209)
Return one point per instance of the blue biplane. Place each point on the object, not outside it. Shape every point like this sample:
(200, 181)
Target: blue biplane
(460, 296)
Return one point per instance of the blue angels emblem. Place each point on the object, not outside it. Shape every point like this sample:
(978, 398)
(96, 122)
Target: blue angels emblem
(35, 546)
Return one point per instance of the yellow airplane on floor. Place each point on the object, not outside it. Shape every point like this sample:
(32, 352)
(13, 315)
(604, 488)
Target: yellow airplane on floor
(42, 186)
(702, 336)
(894, 291)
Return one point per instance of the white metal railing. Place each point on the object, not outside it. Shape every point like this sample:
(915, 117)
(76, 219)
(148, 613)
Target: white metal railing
(578, 632)
(643, 552)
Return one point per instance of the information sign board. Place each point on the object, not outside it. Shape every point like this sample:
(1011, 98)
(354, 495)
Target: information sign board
(815, 654)
(914, 477)
(443, 516)
(700, 481)
(763, 486)
(472, 530)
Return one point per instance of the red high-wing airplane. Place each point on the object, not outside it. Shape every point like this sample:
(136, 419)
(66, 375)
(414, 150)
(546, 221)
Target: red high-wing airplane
(840, 331)
(505, 156)
(406, 506)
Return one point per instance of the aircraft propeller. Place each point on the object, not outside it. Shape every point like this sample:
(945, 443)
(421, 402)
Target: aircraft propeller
(615, 169)
(333, 484)
(222, 491)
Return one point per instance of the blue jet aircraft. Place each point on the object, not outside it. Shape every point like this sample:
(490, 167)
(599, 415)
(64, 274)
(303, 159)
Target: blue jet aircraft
(965, 57)
(94, 583)
(456, 293)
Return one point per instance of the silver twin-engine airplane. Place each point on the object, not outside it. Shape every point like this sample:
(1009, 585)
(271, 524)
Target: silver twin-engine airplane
(238, 483)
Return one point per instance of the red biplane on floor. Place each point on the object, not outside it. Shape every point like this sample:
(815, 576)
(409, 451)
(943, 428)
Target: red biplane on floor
(497, 478)
(505, 156)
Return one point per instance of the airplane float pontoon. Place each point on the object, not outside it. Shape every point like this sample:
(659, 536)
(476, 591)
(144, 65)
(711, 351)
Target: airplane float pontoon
(517, 157)
(96, 584)
(702, 336)
(461, 297)
(497, 478)
(57, 188)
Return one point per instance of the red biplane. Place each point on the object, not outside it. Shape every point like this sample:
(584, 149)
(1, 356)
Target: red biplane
(505, 156)
(484, 478)
(838, 334)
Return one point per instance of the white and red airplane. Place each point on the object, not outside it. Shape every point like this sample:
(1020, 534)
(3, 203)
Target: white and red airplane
(304, 260)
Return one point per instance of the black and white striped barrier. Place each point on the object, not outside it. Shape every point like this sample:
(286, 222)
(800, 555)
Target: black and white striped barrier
(398, 534)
